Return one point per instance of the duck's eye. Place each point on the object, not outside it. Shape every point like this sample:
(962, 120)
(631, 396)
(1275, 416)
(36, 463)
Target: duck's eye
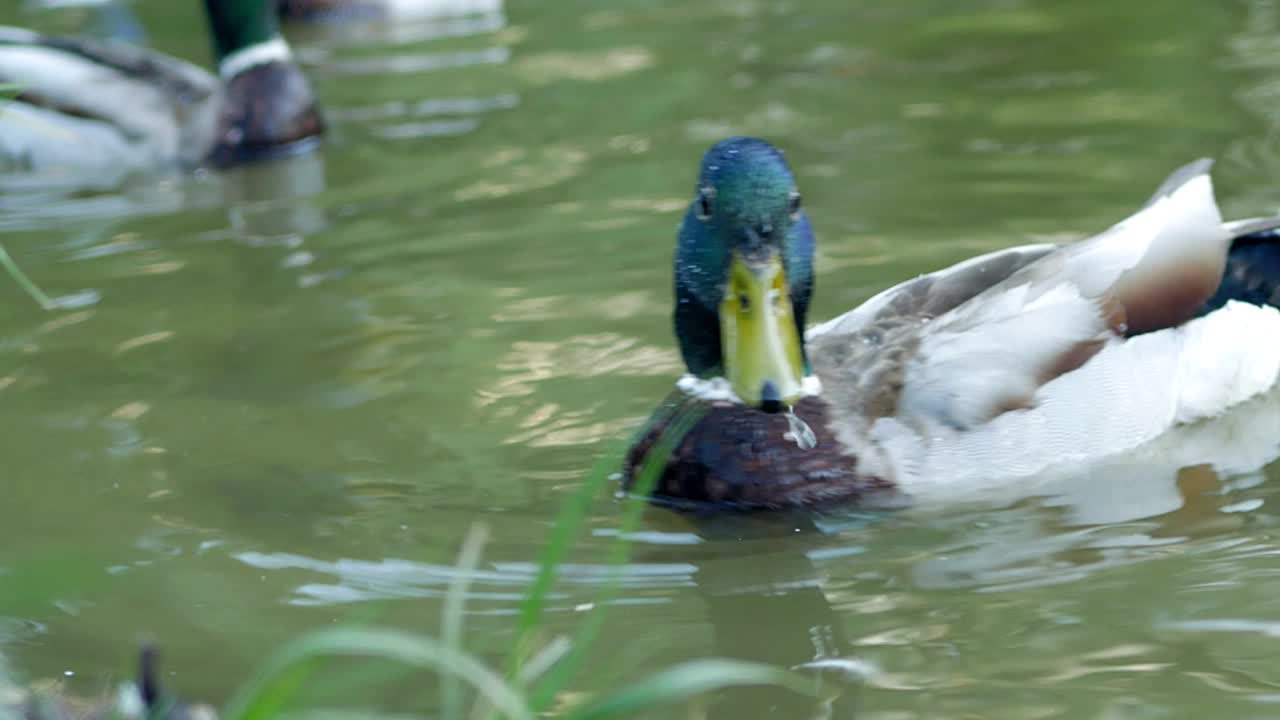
(793, 205)
(744, 303)
(705, 197)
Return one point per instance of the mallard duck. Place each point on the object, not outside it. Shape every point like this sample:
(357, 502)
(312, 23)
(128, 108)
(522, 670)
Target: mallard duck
(90, 112)
(329, 9)
(979, 374)
(143, 698)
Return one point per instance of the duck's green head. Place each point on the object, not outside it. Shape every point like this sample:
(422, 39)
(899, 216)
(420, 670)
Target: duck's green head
(744, 274)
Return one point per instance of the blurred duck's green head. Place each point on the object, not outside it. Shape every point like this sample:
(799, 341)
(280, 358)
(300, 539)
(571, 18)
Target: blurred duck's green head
(744, 274)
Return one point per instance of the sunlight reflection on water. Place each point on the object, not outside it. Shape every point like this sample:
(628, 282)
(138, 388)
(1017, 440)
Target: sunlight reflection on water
(294, 385)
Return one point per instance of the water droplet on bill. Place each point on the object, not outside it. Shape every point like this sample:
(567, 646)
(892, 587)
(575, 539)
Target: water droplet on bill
(799, 431)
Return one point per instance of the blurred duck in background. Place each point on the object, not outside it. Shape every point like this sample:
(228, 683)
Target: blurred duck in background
(88, 112)
(326, 10)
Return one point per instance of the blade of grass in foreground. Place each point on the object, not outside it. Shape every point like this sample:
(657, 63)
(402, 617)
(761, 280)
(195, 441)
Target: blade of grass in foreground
(689, 679)
(24, 282)
(274, 686)
(454, 607)
(683, 420)
(568, 522)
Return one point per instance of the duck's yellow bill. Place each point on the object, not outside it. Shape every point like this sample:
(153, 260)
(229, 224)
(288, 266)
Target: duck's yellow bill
(758, 335)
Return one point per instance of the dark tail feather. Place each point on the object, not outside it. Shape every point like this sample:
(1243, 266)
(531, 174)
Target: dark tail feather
(1253, 266)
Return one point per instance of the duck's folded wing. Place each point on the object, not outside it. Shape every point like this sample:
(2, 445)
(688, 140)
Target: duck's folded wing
(183, 79)
(991, 354)
(931, 294)
(140, 91)
(860, 355)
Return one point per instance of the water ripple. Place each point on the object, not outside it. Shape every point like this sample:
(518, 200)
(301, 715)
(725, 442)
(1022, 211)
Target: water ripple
(360, 580)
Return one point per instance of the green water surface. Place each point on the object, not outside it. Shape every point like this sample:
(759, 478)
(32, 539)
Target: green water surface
(286, 392)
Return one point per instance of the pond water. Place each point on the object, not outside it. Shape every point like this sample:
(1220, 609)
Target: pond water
(287, 392)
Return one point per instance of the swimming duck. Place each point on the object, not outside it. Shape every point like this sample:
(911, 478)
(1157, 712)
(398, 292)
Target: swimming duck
(90, 112)
(977, 375)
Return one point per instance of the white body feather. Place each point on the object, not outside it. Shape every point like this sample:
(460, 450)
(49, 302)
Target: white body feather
(120, 122)
(423, 9)
(980, 407)
(43, 149)
(1126, 396)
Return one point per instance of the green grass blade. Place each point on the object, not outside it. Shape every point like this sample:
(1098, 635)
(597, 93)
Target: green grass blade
(452, 619)
(544, 659)
(646, 479)
(24, 282)
(690, 679)
(276, 684)
(330, 714)
(541, 661)
(273, 698)
(568, 523)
